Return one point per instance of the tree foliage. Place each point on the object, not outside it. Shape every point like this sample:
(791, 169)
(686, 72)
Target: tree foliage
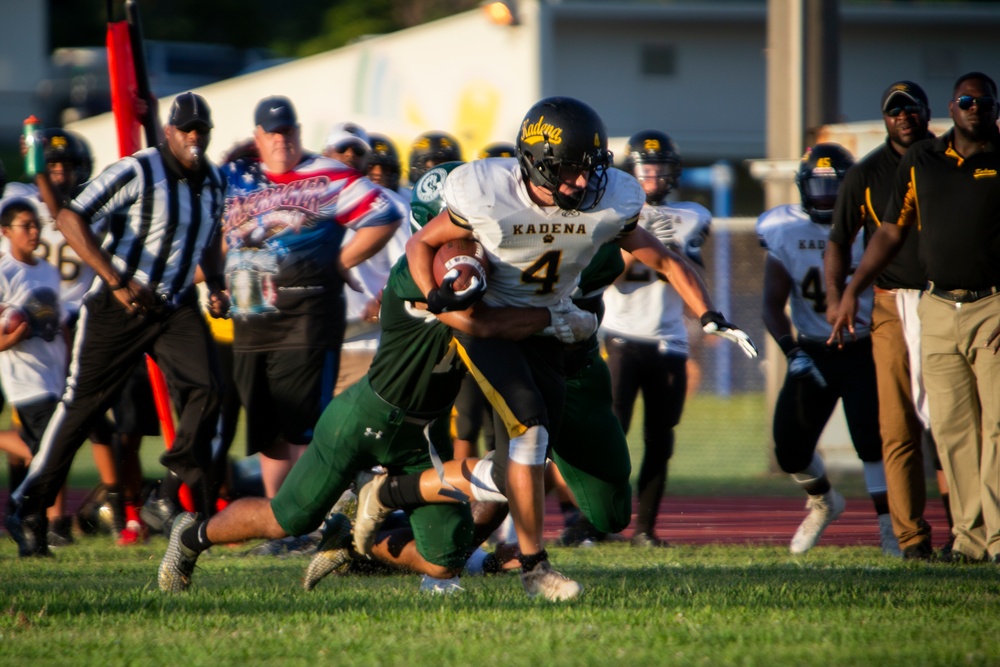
(301, 28)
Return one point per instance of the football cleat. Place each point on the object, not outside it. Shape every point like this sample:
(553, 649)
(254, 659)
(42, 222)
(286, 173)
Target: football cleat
(178, 563)
(60, 532)
(371, 512)
(30, 533)
(550, 584)
(159, 513)
(333, 551)
(823, 510)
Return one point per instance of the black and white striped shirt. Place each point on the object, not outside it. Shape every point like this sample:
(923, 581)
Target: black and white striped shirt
(167, 219)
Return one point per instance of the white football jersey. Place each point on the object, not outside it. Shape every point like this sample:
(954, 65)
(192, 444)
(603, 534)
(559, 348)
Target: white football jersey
(639, 305)
(792, 238)
(537, 252)
(76, 276)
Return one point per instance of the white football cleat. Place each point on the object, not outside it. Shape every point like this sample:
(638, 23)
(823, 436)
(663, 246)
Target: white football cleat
(823, 510)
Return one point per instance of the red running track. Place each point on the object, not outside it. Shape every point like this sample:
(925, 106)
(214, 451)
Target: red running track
(733, 520)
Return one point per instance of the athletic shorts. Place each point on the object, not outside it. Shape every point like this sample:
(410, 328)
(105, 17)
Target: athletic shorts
(357, 431)
(33, 418)
(283, 393)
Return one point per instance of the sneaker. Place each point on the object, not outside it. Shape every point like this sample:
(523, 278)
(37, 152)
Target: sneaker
(955, 557)
(429, 584)
(887, 537)
(280, 546)
(371, 512)
(29, 532)
(920, 551)
(550, 584)
(159, 513)
(647, 540)
(333, 551)
(823, 510)
(178, 563)
(60, 533)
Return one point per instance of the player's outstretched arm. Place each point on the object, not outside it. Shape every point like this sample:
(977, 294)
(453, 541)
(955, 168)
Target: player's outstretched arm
(685, 279)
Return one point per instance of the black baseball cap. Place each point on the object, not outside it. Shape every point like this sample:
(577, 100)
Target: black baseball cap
(906, 89)
(275, 112)
(190, 111)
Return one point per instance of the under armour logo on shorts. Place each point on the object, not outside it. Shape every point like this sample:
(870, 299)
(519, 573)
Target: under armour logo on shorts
(369, 433)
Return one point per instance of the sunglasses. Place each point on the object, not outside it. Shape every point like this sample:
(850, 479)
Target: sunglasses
(965, 102)
(907, 109)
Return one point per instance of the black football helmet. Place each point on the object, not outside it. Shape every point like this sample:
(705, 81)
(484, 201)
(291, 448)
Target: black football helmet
(652, 147)
(560, 132)
(430, 149)
(385, 156)
(498, 149)
(820, 174)
(72, 150)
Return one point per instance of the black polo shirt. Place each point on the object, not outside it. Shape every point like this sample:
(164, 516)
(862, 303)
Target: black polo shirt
(955, 205)
(861, 203)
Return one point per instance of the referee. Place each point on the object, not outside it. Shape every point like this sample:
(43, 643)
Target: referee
(170, 200)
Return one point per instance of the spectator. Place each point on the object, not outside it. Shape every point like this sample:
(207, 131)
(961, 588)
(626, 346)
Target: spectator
(902, 401)
(950, 185)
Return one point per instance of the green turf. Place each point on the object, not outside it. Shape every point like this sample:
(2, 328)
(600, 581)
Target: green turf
(95, 604)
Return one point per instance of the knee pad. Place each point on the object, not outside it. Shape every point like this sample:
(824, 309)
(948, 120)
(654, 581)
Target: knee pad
(530, 447)
(483, 486)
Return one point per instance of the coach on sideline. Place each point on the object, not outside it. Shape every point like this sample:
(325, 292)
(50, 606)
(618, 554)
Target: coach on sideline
(171, 200)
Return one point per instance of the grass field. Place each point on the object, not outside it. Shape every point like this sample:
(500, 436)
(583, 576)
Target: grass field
(98, 605)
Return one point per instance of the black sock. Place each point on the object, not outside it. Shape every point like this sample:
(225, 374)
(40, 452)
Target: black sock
(195, 537)
(528, 562)
(402, 492)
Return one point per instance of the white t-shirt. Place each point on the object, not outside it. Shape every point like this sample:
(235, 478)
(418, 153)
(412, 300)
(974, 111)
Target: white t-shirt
(36, 367)
(76, 276)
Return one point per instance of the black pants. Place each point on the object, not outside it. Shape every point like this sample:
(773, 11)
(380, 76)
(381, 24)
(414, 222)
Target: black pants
(107, 346)
(640, 366)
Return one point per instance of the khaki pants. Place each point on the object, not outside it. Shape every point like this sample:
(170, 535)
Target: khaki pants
(962, 377)
(902, 452)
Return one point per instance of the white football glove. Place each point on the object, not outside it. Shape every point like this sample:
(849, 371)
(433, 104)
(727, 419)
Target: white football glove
(569, 323)
(714, 323)
(802, 367)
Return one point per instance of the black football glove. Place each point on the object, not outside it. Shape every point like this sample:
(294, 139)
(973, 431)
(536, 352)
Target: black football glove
(445, 299)
(714, 323)
(802, 367)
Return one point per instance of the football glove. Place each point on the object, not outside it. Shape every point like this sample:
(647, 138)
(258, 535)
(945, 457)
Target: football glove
(569, 323)
(714, 323)
(445, 299)
(802, 367)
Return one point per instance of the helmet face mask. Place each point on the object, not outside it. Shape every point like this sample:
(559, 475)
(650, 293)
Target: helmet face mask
(561, 138)
(430, 149)
(819, 177)
(652, 157)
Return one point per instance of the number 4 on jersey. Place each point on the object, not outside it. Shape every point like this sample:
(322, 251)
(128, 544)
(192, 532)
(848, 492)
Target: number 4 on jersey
(544, 272)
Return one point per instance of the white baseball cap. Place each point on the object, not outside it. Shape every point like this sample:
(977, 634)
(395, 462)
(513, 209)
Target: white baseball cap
(343, 135)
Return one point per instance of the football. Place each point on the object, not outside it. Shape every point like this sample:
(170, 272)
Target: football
(11, 317)
(467, 256)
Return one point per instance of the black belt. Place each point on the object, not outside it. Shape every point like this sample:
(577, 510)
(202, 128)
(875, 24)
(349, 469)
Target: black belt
(963, 295)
